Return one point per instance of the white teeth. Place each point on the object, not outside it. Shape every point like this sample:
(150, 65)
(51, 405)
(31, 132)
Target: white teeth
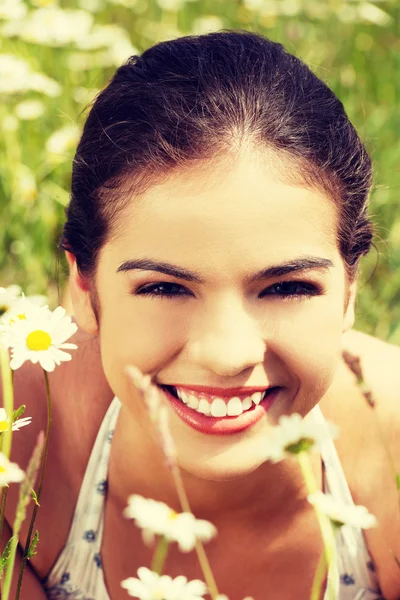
(256, 397)
(193, 401)
(218, 408)
(234, 407)
(183, 396)
(187, 398)
(247, 403)
(204, 407)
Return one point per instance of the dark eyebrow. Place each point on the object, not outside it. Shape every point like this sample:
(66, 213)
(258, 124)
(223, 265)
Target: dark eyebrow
(305, 263)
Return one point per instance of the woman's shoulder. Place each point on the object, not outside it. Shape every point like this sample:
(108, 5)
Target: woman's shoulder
(378, 357)
(365, 403)
(79, 391)
(80, 396)
(374, 366)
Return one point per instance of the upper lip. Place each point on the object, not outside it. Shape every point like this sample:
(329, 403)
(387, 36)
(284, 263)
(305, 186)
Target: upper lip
(221, 392)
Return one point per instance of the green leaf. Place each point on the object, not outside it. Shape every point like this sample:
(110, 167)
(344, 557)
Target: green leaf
(18, 413)
(32, 548)
(398, 480)
(302, 445)
(5, 556)
(35, 498)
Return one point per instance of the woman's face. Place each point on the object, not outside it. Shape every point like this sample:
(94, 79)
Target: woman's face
(225, 222)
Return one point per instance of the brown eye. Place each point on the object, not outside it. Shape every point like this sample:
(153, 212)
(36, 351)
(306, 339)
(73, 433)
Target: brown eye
(165, 288)
(292, 289)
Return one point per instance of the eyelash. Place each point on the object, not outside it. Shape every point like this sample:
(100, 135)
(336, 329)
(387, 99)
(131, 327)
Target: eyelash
(309, 290)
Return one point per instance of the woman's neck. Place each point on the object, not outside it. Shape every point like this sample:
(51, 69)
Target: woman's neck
(138, 466)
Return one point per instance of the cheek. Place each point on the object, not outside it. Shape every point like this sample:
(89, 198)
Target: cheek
(141, 333)
(310, 348)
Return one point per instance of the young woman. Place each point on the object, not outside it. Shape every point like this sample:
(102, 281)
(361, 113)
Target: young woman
(218, 216)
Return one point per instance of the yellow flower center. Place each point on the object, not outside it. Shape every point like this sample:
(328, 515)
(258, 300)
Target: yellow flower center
(38, 340)
(172, 515)
(2, 470)
(21, 317)
(3, 426)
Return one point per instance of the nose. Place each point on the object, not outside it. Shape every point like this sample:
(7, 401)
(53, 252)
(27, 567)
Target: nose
(227, 341)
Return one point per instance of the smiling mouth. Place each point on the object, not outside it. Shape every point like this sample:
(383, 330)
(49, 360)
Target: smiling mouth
(220, 417)
(216, 406)
(172, 390)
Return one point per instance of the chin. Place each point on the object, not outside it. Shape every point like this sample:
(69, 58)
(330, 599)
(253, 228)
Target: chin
(222, 466)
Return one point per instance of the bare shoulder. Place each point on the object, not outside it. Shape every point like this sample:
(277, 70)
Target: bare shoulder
(379, 359)
(77, 387)
(80, 396)
(380, 370)
(369, 444)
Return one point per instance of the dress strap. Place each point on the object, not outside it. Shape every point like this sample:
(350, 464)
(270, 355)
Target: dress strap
(355, 567)
(88, 519)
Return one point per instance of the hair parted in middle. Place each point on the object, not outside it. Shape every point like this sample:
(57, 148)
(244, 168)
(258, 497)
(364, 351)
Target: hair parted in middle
(198, 97)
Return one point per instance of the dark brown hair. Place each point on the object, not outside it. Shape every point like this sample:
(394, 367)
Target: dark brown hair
(196, 97)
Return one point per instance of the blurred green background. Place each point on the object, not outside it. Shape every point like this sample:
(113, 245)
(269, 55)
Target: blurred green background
(56, 55)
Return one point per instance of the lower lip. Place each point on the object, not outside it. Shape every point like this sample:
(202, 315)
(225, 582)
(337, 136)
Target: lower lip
(221, 425)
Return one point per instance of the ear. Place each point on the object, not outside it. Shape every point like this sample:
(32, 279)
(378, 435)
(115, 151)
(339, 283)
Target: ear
(81, 299)
(349, 313)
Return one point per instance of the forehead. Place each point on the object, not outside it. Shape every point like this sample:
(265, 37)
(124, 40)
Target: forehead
(225, 211)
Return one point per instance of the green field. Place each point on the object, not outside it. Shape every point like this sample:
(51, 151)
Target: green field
(55, 56)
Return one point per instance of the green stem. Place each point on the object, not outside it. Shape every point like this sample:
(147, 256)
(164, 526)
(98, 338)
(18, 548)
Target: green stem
(10, 568)
(6, 438)
(318, 582)
(42, 469)
(3, 508)
(325, 526)
(201, 554)
(25, 493)
(8, 399)
(160, 555)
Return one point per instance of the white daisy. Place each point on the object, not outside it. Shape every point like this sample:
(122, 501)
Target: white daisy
(8, 297)
(5, 423)
(19, 307)
(55, 26)
(182, 589)
(294, 435)
(12, 9)
(61, 143)
(341, 514)
(151, 586)
(40, 337)
(157, 518)
(28, 110)
(9, 472)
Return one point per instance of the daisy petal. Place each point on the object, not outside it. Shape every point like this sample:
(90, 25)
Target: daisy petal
(40, 337)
